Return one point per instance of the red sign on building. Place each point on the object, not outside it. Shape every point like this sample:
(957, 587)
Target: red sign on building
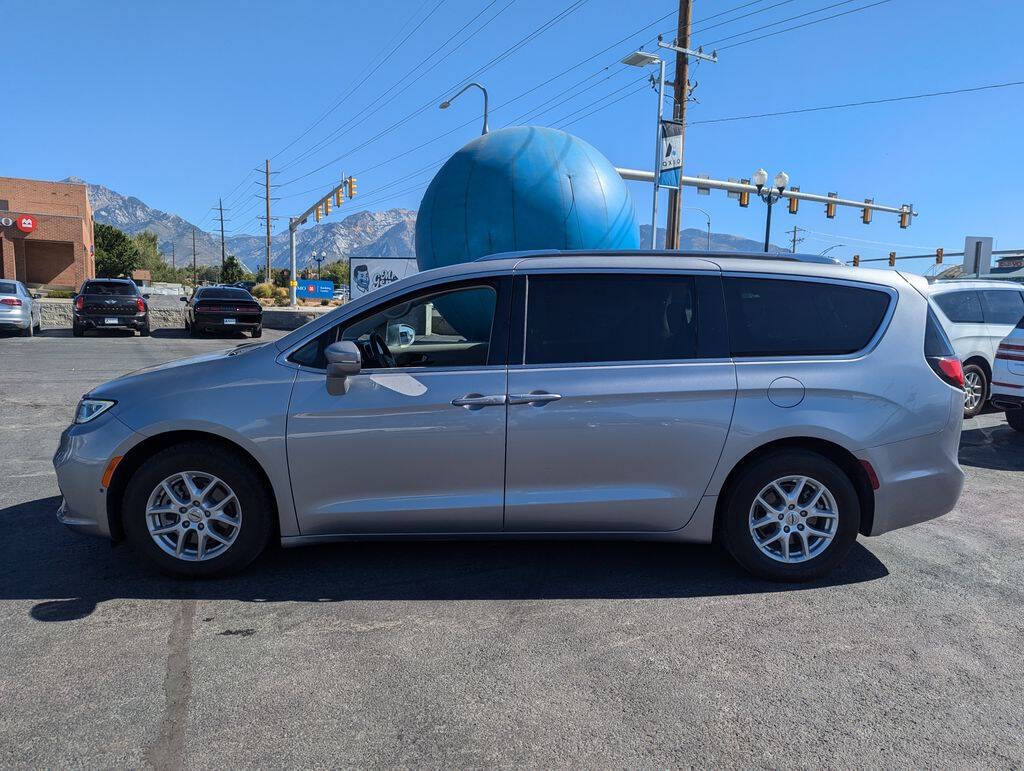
(26, 223)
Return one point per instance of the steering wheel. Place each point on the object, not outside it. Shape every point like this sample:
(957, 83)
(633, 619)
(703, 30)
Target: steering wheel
(380, 351)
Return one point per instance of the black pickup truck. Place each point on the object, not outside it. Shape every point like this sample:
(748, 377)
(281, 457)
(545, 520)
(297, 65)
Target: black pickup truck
(110, 303)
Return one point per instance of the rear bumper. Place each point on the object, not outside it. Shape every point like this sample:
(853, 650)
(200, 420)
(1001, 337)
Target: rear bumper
(16, 320)
(100, 322)
(216, 324)
(919, 479)
(1007, 384)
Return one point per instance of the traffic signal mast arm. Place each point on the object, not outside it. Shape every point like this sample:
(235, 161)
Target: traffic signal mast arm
(319, 209)
(905, 212)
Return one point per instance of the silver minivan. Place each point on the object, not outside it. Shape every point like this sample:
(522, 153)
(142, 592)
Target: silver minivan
(777, 407)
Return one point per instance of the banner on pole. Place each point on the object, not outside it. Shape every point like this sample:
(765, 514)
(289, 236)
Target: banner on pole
(670, 153)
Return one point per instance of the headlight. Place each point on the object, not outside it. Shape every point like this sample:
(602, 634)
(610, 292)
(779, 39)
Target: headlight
(92, 408)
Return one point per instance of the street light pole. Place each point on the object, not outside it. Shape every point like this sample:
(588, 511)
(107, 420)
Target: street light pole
(707, 217)
(769, 195)
(447, 102)
(643, 59)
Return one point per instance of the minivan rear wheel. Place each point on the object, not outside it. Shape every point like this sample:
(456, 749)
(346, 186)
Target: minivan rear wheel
(196, 510)
(975, 389)
(790, 516)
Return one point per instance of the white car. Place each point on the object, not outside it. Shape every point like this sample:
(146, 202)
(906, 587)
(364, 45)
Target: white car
(19, 309)
(1008, 377)
(977, 315)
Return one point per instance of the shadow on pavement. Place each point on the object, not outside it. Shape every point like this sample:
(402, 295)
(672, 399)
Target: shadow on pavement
(181, 334)
(69, 574)
(997, 447)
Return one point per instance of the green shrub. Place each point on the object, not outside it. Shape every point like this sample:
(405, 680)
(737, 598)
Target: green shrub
(263, 290)
(280, 293)
(60, 294)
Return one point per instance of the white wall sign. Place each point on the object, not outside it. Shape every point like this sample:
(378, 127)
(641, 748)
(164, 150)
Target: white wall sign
(370, 273)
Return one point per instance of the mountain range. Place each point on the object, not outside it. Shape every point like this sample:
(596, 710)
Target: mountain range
(389, 233)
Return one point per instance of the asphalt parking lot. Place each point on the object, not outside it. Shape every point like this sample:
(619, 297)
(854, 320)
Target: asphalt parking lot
(496, 654)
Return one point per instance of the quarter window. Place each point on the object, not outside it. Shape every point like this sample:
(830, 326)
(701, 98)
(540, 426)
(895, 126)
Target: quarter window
(963, 307)
(778, 317)
(1002, 306)
(574, 318)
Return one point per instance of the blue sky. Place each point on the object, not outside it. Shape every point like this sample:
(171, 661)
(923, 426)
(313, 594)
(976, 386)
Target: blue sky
(179, 103)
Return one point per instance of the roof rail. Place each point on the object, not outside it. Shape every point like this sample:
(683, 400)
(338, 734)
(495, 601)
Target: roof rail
(718, 255)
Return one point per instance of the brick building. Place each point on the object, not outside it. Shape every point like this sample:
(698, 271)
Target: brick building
(46, 233)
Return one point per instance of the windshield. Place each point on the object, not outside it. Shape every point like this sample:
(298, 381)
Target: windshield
(108, 287)
(6, 287)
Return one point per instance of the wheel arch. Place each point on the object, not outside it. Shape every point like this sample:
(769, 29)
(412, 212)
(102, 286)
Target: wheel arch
(834, 452)
(982, 362)
(148, 447)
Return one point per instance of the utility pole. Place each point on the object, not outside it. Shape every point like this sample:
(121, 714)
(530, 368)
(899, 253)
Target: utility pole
(673, 221)
(195, 275)
(220, 202)
(174, 265)
(794, 239)
(268, 218)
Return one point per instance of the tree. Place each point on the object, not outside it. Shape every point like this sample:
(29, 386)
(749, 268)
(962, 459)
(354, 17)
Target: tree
(233, 270)
(336, 271)
(117, 255)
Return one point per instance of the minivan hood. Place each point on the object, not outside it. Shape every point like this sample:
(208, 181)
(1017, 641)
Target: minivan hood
(137, 383)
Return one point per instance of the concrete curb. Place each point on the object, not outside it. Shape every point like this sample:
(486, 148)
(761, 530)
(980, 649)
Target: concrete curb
(56, 314)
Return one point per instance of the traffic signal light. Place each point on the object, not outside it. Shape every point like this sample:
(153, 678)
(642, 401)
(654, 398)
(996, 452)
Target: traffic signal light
(744, 195)
(327, 206)
(905, 217)
(318, 213)
(938, 256)
(793, 202)
(339, 197)
(830, 208)
(351, 187)
(856, 260)
(892, 259)
(866, 212)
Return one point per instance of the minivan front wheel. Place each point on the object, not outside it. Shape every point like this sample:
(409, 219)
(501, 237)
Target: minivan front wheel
(791, 516)
(195, 510)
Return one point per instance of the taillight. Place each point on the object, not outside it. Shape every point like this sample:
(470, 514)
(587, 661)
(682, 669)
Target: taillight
(10, 301)
(140, 304)
(949, 369)
(79, 303)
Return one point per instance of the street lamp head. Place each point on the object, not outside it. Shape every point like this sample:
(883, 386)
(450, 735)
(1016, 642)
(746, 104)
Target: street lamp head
(641, 59)
(760, 178)
(445, 104)
(781, 180)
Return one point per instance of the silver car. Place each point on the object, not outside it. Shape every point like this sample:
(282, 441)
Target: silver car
(19, 309)
(779, 408)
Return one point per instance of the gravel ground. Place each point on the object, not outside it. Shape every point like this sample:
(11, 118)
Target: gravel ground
(496, 654)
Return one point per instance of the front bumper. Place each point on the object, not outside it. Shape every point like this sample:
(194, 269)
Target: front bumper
(919, 479)
(81, 458)
(122, 322)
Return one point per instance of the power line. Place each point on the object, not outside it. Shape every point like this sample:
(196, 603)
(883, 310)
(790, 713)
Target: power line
(805, 24)
(602, 107)
(863, 103)
(780, 21)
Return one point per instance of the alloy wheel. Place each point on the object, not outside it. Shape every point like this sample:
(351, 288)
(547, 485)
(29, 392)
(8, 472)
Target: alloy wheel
(974, 390)
(793, 519)
(193, 516)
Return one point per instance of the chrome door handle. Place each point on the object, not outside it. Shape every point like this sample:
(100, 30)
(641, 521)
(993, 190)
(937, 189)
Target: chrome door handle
(540, 397)
(475, 401)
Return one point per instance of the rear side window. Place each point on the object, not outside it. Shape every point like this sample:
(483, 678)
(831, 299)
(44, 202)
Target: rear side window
(778, 317)
(936, 343)
(581, 319)
(963, 307)
(1002, 306)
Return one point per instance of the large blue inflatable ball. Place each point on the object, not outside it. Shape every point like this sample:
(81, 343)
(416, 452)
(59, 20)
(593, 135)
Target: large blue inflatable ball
(521, 188)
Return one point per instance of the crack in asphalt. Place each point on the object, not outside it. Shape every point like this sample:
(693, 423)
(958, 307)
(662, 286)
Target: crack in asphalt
(168, 751)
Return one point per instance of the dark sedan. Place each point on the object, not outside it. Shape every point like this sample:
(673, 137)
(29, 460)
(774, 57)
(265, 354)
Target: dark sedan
(110, 303)
(223, 309)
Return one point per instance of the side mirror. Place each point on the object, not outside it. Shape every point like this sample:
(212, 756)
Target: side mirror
(34, 295)
(343, 360)
(183, 299)
(145, 297)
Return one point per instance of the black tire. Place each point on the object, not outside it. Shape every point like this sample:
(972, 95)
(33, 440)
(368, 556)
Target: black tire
(735, 526)
(145, 331)
(1015, 418)
(76, 330)
(971, 371)
(28, 331)
(235, 470)
(192, 331)
(258, 331)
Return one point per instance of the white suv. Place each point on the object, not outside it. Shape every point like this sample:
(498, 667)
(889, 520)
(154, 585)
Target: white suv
(1008, 377)
(977, 315)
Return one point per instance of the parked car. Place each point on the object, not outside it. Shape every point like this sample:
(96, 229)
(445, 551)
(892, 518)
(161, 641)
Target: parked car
(1008, 377)
(977, 315)
(246, 285)
(778, 407)
(18, 308)
(110, 303)
(223, 309)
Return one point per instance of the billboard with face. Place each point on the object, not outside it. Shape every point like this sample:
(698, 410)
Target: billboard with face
(370, 273)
